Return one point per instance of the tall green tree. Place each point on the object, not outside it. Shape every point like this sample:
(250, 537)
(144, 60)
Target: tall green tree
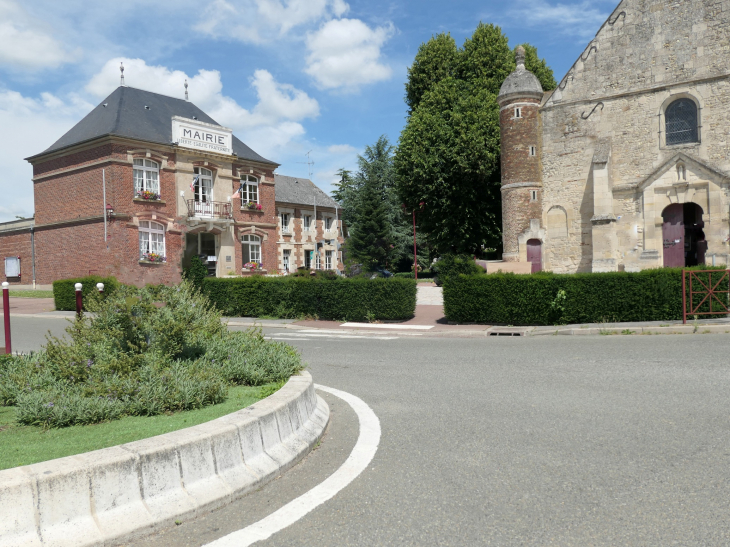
(448, 154)
(376, 174)
(370, 238)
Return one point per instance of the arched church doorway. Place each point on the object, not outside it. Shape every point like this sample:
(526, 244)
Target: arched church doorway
(683, 235)
(534, 254)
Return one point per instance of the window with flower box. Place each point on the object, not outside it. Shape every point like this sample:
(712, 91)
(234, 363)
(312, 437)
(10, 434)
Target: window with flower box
(251, 248)
(250, 193)
(151, 241)
(146, 179)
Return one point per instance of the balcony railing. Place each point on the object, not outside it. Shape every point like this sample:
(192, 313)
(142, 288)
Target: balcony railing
(209, 209)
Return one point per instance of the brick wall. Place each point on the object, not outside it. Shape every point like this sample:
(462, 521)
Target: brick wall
(519, 168)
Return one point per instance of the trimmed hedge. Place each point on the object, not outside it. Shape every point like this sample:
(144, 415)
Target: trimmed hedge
(354, 299)
(555, 299)
(410, 275)
(64, 293)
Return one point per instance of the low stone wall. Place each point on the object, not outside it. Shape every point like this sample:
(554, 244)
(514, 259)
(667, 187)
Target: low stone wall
(115, 494)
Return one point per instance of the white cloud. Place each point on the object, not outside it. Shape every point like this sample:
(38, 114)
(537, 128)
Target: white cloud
(345, 53)
(26, 42)
(581, 19)
(341, 149)
(36, 124)
(267, 127)
(260, 21)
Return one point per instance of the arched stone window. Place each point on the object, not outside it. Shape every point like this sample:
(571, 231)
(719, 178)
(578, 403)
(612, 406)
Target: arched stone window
(681, 124)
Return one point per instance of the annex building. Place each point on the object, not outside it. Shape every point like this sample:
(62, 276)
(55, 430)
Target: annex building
(626, 164)
(145, 182)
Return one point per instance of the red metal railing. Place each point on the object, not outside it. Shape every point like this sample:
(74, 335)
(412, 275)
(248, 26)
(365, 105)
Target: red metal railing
(708, 299)
(209, 209)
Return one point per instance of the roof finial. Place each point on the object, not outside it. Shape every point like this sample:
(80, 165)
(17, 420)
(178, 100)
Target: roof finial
(186, 89)
(520, 57)
(121, 69)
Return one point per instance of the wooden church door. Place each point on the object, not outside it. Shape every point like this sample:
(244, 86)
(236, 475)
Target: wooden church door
(673, 236)
(534, 254)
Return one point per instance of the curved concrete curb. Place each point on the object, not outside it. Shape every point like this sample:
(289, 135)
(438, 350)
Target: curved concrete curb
(115, 494)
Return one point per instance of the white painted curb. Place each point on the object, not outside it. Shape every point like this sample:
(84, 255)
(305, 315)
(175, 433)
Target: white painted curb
(112, 495)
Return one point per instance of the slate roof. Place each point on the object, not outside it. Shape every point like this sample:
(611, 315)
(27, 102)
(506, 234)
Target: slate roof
(125, 115)
(300, 191)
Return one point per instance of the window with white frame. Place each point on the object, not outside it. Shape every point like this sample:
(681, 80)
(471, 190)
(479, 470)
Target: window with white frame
(151, 241)
(317, 260)
(251, 246)
(307, 222)
(286, 259)
(146, 179)
(328, 260)
(284, 222)
(249, 189)
(203, 185)
(327, 223)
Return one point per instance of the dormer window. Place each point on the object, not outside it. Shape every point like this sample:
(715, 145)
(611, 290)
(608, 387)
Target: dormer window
(681, 124)
(146, 179)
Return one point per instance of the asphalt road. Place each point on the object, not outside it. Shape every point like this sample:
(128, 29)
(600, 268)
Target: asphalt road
(580, 440)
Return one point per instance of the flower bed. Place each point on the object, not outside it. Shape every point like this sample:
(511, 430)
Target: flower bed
(133, 358)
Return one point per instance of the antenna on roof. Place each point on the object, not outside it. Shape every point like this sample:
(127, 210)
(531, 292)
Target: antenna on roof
(309, 164)
(121, 69)
(186, 89)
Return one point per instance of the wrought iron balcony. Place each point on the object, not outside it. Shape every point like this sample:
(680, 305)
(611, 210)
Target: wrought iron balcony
(208, 209)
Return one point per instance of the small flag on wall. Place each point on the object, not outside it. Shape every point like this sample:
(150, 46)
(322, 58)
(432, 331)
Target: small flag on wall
(192, 184)
(237, 192)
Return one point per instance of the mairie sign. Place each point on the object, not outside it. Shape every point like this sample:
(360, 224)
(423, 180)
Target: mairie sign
(202, 136)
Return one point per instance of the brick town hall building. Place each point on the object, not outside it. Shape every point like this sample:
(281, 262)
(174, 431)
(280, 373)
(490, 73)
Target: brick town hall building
(163, 182)
(626, 165)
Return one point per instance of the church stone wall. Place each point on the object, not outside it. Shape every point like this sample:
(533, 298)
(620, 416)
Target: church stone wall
(657, 52)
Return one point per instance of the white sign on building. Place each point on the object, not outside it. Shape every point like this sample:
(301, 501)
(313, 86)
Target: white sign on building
(202, 136)
(12, 266)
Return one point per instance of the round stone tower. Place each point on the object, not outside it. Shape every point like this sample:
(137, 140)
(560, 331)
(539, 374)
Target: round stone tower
(519, 100)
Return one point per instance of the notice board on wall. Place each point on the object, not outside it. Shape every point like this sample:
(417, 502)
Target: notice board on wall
(12, 266)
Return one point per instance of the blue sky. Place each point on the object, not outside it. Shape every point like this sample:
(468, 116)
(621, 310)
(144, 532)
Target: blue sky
(289, 76)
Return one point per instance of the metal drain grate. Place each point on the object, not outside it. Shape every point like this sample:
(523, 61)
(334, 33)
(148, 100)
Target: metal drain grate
(508, 331)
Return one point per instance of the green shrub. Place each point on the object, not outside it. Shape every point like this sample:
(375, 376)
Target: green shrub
(352, 299)
(552, 299)
(131, 357)
(196, 272)
(64, 293)
(410, 275)
(449, 266)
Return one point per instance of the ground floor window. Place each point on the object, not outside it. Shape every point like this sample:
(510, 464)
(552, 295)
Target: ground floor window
(308, 259)
(317, 260)
(151, 241)
(251, 249)
(328, 260)
(286, 259)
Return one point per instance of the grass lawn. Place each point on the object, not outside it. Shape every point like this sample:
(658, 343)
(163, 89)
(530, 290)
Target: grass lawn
(30, 294)
(23, 445)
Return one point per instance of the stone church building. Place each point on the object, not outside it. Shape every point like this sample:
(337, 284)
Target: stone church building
(626, 164)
